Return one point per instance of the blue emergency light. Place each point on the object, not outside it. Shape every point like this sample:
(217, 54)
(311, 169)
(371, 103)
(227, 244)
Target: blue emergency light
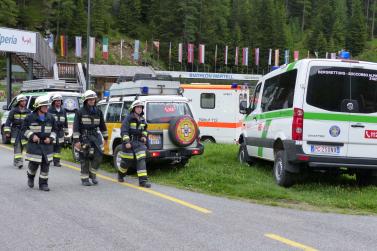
(106, 93)
(274, 67)
(344, 55)
(234, 86)
(144, 90)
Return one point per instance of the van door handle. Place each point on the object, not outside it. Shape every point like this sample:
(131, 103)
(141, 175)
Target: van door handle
(358, 126)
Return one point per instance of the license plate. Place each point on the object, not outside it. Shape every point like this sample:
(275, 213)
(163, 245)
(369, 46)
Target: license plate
(154, 139)
(325, 149)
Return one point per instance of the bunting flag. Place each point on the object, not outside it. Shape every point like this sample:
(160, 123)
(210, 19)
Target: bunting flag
(136, 50)
(190, 53)
(245, 56)
(316, 54)
(51, 41)
(215, 54)
(121, 49)
(78, 50)
(157, 45)
(327, 55)
(286, 57)
(308, 54)
(180, 56)
(92, 47)
(277, 57)
(270, 57)
(201, 53)
(333, 55)
(105, 48)
(236, 57)
(226, 55)
(63, 45)
(295, 55)
(257, 56)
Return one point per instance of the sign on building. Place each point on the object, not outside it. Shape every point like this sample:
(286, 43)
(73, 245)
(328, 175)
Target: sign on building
(13, 40)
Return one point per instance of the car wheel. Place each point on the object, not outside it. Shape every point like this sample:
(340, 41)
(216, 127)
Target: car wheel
(282, 176)
(4, 138)
(117, 159)
(208, 140)
(75, 154)
(243, 156)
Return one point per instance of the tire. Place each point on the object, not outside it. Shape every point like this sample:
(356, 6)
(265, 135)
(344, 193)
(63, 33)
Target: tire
(4, 139)
(75, 154)
(243, 156)
(366, 178)
(282, 177)
(180, 124)
(117, 159)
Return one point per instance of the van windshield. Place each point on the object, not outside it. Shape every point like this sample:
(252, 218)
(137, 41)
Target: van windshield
(71, 103)
(341, 89)
(163, 112)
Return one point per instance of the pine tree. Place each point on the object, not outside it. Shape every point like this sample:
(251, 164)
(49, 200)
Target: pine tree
(129, 17)
(8, 13)
(79, 21)
(339, 26)
(357, 34)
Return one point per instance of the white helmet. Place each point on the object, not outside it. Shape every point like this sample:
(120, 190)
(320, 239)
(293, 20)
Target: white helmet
(21, 97)
(42, 101)
(89, 94)
(136, 103)
(56, 97)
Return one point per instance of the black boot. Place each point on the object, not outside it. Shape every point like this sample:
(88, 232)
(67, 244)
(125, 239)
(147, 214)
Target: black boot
(94, 180)
(43, 185)
(120, 177)
(30, 180)
(143, 182)
(85, 182)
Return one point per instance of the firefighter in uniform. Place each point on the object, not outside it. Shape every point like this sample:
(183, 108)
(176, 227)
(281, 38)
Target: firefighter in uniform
(86, 138)
(60, 116)
(134, 136)
(13, 128)
(40, 130)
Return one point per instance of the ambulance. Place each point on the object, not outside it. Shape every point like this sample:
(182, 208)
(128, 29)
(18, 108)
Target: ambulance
(316, 114)
(173, 135)
(218, 110)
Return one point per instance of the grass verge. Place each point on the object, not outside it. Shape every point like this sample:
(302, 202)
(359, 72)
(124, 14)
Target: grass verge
(218, 172)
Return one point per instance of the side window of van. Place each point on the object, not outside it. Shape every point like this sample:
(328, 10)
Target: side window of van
(254, 101)
(207, 101)
(113, 112)
(125, 110)
(278, 91)
(31, 103)
(102, 107)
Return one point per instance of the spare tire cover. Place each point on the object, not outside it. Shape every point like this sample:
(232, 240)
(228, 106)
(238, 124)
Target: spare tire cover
(183, 130)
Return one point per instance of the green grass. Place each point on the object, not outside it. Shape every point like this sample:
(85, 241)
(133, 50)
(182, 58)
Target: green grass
(218, 172)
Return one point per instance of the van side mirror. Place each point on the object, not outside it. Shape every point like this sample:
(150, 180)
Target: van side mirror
(243, 107)
(5, 107)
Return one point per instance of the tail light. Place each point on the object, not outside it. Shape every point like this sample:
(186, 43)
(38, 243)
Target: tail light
(297, 124)
(155, 154)
(195, 152)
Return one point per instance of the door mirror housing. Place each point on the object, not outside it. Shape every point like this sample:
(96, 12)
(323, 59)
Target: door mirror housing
(243, 107)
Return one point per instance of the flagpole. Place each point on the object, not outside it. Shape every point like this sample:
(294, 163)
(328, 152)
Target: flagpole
(88, 49)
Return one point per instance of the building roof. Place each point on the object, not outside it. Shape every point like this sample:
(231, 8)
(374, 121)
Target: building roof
(97, 70)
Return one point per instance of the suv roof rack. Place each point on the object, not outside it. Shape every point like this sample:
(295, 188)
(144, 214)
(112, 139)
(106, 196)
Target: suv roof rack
(146, 87)
(39, 85)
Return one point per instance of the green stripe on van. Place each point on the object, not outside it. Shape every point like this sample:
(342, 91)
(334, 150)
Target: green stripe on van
(340, 117)
(264, 135)
(272, 115)
(291, 66)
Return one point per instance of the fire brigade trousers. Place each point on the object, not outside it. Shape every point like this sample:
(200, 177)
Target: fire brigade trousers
(90, 164)
(18, 148)
(135, 155)
(57, 155)
(43, 174)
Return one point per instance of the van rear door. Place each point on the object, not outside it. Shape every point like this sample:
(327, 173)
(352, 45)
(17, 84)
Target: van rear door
(326, 121)
(363, 119)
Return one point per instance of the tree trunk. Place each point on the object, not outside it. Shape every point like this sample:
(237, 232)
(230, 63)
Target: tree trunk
(303, 17)
(374, 14)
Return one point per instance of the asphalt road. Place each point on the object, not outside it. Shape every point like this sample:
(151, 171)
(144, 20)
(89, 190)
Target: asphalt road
(112, 216)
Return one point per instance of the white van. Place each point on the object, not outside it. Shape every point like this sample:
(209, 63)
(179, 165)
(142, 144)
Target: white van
(214, 107)
(315, 114)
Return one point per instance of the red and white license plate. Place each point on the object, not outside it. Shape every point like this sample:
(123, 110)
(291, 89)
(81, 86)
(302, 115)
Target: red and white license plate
(325, 149)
